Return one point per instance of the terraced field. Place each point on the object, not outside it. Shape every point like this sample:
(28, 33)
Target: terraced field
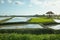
(42, 20)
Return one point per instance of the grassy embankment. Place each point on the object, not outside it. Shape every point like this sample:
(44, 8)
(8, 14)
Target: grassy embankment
(15, 36)
(4, 20)
(42, 20)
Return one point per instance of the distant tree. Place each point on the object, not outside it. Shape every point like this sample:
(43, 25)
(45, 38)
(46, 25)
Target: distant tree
(36, 14)
(50, 13)
(43, 15)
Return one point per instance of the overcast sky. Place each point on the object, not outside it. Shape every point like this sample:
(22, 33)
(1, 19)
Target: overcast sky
(28, 7)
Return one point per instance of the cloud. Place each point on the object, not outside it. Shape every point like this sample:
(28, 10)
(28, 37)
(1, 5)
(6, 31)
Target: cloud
(46, 2)
(2, 1)
(47, 5)
(19, 3)
(30, 5)
(9, 1)
(36, 2)
(53, 3)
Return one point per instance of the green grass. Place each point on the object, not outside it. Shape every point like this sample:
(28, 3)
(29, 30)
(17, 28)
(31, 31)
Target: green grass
(15, 36)
(41, 20)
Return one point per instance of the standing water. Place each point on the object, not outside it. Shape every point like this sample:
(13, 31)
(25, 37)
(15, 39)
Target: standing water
(24, 19)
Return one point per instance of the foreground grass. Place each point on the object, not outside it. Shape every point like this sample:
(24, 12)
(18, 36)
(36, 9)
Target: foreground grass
(15, 36)
(42, 20)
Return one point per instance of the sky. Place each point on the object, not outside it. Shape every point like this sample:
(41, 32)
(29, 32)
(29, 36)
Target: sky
(28, 7)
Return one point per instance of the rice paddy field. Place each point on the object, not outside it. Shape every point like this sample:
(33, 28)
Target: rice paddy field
(42, 20)
(31, 34)
(15, 36)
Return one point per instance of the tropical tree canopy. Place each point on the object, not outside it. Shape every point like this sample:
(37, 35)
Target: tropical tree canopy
(49, 12)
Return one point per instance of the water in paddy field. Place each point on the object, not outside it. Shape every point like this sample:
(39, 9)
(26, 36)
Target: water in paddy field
(24, 19)
(18, 26)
